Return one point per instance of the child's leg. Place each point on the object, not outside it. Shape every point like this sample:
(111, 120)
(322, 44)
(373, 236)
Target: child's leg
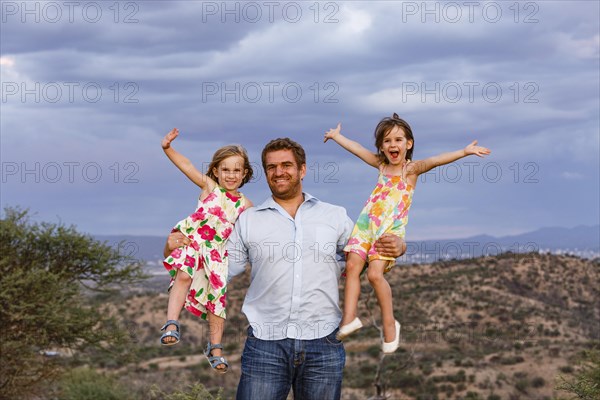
(354, 266)
(177, 296)
(384, 297)
(215, 327)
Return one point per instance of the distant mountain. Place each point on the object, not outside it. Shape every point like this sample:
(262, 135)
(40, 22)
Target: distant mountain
(143, 248)
(580, 237)
(583, 241)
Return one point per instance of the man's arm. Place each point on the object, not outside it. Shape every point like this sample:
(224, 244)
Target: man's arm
(344, 235)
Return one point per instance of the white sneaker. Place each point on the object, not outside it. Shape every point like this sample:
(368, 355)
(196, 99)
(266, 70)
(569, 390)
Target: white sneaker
(349, 329)
(389, 348)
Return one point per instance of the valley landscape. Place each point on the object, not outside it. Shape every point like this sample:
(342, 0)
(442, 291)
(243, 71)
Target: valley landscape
(508, 326)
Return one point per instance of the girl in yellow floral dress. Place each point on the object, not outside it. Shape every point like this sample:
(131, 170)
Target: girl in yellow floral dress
(386, 211)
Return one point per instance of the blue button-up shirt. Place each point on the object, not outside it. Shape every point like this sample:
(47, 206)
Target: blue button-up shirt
(295, 271)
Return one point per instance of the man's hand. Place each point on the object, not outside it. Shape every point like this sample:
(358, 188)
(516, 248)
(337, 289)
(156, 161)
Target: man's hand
(390, 245)
(175, 240)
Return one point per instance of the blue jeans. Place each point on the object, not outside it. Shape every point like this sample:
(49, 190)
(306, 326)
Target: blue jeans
(312, 368)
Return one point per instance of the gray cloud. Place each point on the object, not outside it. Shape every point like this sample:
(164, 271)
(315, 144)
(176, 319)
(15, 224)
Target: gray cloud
(259, 78)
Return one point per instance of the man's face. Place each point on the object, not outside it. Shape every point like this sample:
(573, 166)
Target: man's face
(283, 174)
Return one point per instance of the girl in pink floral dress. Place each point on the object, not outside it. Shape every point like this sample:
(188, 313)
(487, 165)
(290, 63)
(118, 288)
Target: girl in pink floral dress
(386, 211)
(199, 269)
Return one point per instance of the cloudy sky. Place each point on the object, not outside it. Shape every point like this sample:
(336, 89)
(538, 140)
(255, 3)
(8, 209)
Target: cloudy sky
(90, 88)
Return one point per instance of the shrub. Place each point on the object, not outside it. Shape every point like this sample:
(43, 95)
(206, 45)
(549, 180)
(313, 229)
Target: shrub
(585, 383)
(426, 368)
(87, 384)
(373, 351)
(359, 376)
(195, 392)
(458, 377)
(510, 360)
(566, 369)
(538, 382)
(407, 379)
(521, 385)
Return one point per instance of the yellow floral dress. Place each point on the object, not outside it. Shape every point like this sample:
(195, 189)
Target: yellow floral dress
(386, 211)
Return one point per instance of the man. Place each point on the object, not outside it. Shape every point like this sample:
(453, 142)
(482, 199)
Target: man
(291, 241)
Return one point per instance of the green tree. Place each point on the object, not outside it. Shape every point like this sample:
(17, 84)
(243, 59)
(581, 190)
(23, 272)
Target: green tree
(44, 270)
(585, 384)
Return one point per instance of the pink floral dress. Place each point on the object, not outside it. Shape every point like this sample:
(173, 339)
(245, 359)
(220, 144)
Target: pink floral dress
(205, 259)
(386, 211)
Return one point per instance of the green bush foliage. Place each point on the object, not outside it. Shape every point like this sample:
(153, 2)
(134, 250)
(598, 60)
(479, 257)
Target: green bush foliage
(44, 270)
(86, 384)
(585, 384)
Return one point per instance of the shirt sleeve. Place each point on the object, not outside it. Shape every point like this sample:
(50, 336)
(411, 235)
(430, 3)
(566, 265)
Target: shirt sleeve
(237, 251)
(345, 229)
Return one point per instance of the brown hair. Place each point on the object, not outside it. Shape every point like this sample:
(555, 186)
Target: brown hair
(228, 151)
(284, 144)
(386, 125)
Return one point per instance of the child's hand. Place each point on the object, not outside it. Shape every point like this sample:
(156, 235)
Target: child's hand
(332, 133)
(477, 150)
(166, 142)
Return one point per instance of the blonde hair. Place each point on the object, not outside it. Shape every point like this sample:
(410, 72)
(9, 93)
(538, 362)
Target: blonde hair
(228, 151)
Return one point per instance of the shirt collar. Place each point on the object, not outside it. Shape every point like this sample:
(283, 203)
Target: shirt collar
(270, 203)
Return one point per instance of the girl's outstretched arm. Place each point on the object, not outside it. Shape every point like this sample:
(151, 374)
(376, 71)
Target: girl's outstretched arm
(353, 147)
(184, 164)
(421, 166)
